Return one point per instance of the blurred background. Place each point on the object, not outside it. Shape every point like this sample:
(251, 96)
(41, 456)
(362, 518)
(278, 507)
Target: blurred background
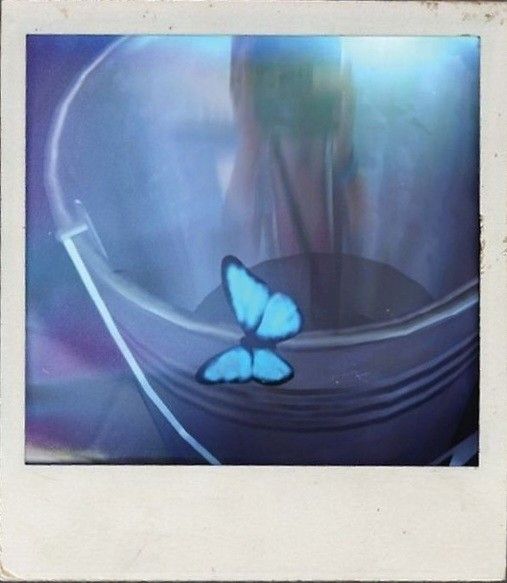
(74, 411)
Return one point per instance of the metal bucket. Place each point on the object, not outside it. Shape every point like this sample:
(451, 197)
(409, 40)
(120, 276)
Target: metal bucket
(137, 165)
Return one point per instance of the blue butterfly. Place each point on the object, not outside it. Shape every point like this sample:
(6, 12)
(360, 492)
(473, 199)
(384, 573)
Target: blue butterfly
(266, 318)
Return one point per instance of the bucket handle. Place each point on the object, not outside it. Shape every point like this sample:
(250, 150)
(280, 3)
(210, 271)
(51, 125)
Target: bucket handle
(67, 240)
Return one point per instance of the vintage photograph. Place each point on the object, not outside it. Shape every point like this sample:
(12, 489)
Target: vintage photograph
(252, 250)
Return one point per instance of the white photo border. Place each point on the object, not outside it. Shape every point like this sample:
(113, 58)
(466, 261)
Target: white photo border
(161, 523)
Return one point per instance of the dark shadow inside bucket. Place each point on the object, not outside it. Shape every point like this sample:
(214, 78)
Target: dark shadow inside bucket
(332, 291)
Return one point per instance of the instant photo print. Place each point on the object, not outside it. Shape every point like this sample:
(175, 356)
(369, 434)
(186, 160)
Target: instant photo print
(252, 261)
(252, 249)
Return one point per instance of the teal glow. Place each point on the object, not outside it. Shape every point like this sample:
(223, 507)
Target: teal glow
(281, 319)
(248, 296)
(268, 367)
(234, 365)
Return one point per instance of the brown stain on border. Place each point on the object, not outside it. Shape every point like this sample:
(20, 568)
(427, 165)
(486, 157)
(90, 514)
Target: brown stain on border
(430, 4)
(6, 575)
(482, 244)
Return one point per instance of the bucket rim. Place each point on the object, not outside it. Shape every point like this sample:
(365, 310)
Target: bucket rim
(450, 305)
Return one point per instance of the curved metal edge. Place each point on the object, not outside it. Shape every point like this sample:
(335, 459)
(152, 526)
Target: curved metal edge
(450, 306)
(62, 215)
(129, 357)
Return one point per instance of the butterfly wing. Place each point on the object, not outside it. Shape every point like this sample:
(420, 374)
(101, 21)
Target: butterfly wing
(247, 295)
(270, 369)
(231, 366)
(280, 320)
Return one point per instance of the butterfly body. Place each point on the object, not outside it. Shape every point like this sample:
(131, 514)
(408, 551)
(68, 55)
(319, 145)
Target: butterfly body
(266, 319)
(250, 341)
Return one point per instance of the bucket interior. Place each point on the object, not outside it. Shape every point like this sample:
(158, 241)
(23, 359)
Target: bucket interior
(333, 291)
(150, 147)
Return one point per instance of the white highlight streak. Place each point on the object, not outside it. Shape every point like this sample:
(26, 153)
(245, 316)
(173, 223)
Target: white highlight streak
(127, 354)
